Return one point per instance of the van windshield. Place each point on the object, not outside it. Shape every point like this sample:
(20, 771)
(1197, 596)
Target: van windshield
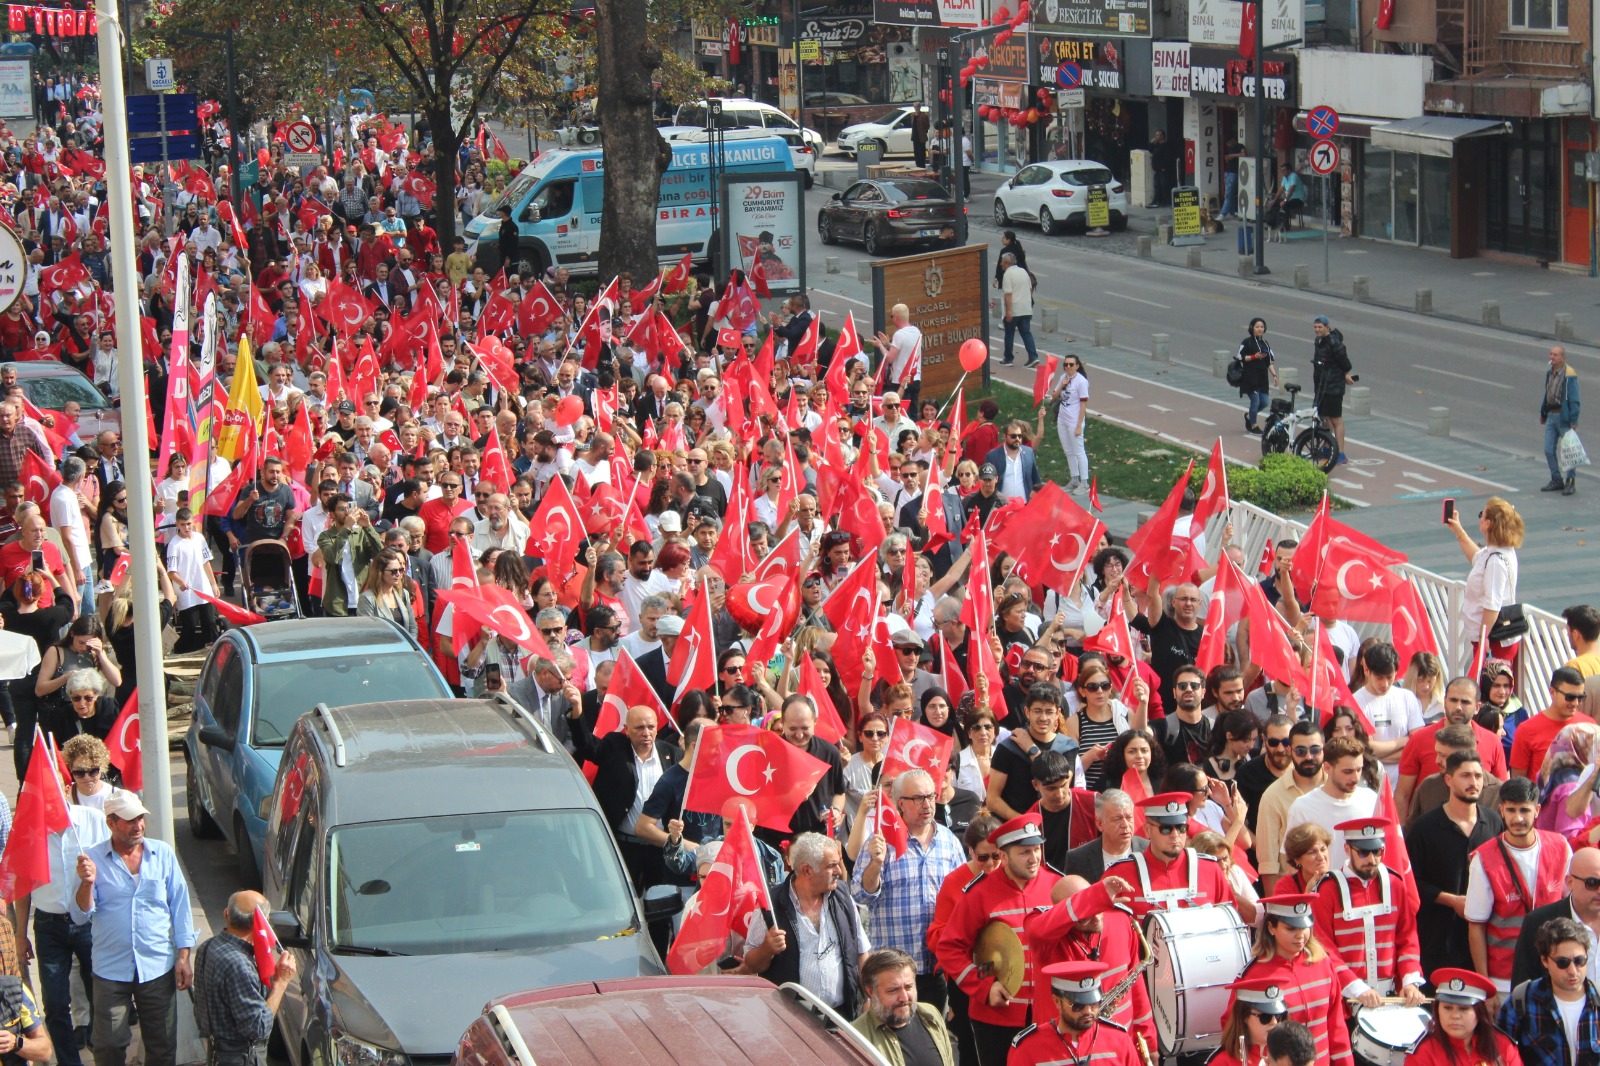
(512, 195)
(286, 690)
(477, 882)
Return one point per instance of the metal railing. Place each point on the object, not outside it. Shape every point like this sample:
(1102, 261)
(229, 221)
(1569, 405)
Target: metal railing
(1544, 648)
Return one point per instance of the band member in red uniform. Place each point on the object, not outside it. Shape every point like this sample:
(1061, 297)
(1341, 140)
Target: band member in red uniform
(1255, 1007)
(1170, 874)
(1092, 923)
(1314, 983)
(1367, 914)
(1076, 1034)
(1008, 894)
(1463, 1026)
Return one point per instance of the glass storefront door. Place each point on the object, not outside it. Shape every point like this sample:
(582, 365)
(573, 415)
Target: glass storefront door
(1405, 198)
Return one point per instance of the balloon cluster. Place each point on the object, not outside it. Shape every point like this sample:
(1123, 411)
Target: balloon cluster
(1020, 116)
(1002, 17)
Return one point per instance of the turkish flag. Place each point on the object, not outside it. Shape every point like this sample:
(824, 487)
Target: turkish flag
(39, 480)
(628, 688)
(1353, 584)
(1114, 638)
(748, 764)
(310, 210)
(498, 609)
(775, 628)
(846, 346)
(857, 508)
(407, 341)
(1412, 628)
(914, 746)
(677, 278)
(420, 187)
(1054, 562)
(830, 726)
(751, 602)
(950, 677)
(1214, 493)
(861, 584)
(890, 825)
(1154, 555)
(556, 525)
(731, 893)
(1326, 687)
(235, 615)
(499, 315)
(731, 557)
(265, 944)
(537, 311)
(69, 273)
(694, 657)
(41, 810)
(225, 493)
(1094, 493)
(230, 217)
(1247, 29)
(1224, 612)
(495, 468)
(1309, 557)
(344, 308)
(123, 743)
(782, 559)
(1041, 378)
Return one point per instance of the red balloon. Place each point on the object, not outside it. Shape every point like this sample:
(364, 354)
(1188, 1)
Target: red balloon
(1032, 114)
(569, 410)
(974, 353)
(980, 61)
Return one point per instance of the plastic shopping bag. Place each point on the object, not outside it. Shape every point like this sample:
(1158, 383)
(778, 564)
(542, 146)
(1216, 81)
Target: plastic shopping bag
(1569, 451)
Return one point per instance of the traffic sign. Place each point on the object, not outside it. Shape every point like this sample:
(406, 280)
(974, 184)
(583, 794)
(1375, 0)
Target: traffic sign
(1069, 98)
(1324, 157)
(300, 136)
(158, 76)
(173, 121)
(1069, 75)
(1322, 122)
(302, 159)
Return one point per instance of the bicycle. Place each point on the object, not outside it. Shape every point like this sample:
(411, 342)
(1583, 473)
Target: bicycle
(1303, 431)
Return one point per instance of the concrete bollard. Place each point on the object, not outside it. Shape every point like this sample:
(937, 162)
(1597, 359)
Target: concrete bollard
(1158, 347)
(1164, 232)
(1102, 333)
(1491, 312)
(1358, 400)
(1359, 288)
(1145, 516)
(1424, 302)
(1247, 266)
(1287, 375)
(1048, 320)
(864, 273)
(833, 264)
(1145, 249)
(1194, 259)
(1302, 276)
(1564, 327)
(1220, 358)
(1438, 421)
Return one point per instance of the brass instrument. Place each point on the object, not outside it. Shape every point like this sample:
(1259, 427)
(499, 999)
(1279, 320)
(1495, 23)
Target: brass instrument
(1113, 998)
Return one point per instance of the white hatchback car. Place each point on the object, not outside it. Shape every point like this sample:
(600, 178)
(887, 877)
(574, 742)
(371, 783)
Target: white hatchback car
(1056, 193)
(893, 131)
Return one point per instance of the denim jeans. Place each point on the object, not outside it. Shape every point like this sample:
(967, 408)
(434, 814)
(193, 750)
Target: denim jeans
(1258, 403)
(1230, 194)
(1554, 426)
(57, 941)
(1022, 324)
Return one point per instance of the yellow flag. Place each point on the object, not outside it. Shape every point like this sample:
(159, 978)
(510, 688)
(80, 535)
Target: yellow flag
(244, 407)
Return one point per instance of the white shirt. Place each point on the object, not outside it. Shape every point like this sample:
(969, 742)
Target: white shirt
(822, 970)
(646, 772)
(1395, 715)
(1016, 284)
(906, 342)
(1480, 895)
(594, 473)
(67, 516)
(1012, 486)
(1342, 635)
(634, 591)
(636, 645)
(87, 830)
(187, 557)
(1571, 1014)
(1319, 807)
(513, 538)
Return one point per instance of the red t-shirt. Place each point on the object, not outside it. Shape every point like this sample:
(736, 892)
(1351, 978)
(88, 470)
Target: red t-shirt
(1533, 739)
(437, 515)
(15, 560)
(1418, 760)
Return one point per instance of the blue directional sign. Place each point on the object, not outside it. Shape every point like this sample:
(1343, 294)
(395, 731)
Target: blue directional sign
(163, 127)
(1322, 122)
(1069, 75)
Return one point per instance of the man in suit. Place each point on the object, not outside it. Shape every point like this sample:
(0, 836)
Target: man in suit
(1114, 814)
(554, 700)
(1582, 904)
(630, 763)
(1014, 461)
(379, 289)
(361, 492)
(108, 467)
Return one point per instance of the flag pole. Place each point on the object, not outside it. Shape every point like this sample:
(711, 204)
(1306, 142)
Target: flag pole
(689, 779)
(953, 393)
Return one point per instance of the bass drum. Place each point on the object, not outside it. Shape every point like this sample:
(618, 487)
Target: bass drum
(1197, 953)
(1387, 1035)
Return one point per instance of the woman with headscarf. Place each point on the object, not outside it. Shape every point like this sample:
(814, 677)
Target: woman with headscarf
(1567, 779)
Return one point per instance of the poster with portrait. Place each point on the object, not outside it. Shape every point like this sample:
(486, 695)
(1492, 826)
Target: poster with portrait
(765, 228)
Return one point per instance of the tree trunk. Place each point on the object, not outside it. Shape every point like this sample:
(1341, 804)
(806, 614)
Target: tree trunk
(446, 145)
(635, 154)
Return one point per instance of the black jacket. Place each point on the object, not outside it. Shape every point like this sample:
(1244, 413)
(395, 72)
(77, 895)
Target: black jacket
(1088, 861)
(615, 780)
(785, 966)
(1525, 963)
(1329, 364)
(1256, 375)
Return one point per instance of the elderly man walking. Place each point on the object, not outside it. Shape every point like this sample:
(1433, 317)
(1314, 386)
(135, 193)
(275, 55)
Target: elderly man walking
(231, 1010)
(1558, 412)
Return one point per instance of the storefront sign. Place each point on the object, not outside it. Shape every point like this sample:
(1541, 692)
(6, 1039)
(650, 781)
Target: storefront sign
(711, 49)
(1100, 61)
(1214, 72)
(947, 13)
(1009, 60)
(946, 294)
(835, 32)
(1169, 64)
(13, 267)
(1216, 22)
(1099, 207)
(1095, 18)
(994, 92)
(766, 222)
(1186, 216)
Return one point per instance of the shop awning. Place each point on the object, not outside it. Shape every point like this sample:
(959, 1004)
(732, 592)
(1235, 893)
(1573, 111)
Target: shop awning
(1434, 135)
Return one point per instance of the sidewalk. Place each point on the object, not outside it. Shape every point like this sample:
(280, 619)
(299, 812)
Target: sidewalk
(1529, 296)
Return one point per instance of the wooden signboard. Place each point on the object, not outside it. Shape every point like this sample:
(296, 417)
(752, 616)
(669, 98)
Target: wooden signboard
(947, 293)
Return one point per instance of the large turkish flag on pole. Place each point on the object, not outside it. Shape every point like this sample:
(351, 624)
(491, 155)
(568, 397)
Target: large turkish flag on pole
(758, 766)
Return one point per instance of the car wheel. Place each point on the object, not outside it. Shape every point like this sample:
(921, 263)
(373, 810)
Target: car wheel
(1047, 222)
(249, 874)
(825, 230)
(869, 239)
(1000, 216)
(811, 179)
(200, 823)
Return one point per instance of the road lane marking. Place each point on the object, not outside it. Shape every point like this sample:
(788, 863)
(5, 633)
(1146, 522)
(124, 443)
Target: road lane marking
(1356, 485)
(1202, 421)
(1464, 377)
(1420, 477)
(1137, 300)
(1119, 395)
(1158, 407)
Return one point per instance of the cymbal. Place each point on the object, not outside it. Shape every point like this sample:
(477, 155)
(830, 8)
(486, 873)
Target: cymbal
(998, 953)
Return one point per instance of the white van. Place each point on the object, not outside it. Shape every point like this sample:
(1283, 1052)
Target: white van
(739, 111)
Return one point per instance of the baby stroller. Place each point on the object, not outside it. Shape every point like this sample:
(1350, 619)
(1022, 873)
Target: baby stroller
(269, 581)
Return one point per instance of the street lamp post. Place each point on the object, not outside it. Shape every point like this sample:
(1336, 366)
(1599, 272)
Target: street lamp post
(225, 38)
(1261, 137)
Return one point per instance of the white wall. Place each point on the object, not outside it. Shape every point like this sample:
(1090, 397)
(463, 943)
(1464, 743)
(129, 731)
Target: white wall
(1359, 83)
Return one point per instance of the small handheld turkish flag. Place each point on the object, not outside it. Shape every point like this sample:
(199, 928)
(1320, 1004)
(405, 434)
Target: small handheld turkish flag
(265, 943)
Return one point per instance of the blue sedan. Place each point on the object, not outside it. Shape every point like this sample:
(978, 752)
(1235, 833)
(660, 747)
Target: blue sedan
(255, 683)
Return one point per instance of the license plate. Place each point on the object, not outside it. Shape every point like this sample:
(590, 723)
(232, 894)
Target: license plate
(928, 233)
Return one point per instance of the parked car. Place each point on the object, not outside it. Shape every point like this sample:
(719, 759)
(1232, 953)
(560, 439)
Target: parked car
(893, 131)
(1056, 193)
(887, 212)
(804, 159)
(664, 1021)
(49, 384)
(426, 855)
(739, 111)
(256, 681)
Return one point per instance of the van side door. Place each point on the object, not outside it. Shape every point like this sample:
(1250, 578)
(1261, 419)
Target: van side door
(297, 1016)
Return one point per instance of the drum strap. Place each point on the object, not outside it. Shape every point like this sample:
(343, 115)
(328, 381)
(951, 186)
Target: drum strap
(1368, 917)
(1168, 898)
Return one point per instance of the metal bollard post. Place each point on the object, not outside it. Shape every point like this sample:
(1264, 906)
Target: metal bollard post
(1145, 249)
(1048, 320)
(1287, 375)
(1194, 259)
(1158, 347)
(1438, 421)
(864, 273)
(1220, 358)
(1247, 266)
(1102, 333)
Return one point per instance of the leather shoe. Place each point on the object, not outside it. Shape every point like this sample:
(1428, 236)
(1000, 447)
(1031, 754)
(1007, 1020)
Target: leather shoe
(1556, 485)
(1571, 485)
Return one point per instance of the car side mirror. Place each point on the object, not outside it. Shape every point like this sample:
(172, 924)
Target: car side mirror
(837, 196)
(1012, 184)
(287, 929)
(213, 737)
(662, 902)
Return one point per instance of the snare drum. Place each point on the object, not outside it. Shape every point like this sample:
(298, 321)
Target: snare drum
(1198, 953)
(1386, 1035)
